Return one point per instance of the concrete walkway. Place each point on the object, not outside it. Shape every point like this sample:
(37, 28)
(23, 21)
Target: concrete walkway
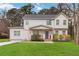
(10, 42)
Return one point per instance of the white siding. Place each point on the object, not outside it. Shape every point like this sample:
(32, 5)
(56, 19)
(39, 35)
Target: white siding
(23, 34)
(61, 18)
(33, 23)
(44, 22)
(60, 31)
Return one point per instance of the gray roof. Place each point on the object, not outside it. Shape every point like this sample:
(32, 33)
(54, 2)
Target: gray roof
(38, 17)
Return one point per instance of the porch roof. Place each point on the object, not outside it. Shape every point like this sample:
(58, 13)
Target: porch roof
(41, 28)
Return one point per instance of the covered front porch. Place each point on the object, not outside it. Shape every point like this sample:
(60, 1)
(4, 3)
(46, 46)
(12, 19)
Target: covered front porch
(44, 32)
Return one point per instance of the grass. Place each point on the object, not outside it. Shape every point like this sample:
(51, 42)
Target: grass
(4, 40)
(40, 49)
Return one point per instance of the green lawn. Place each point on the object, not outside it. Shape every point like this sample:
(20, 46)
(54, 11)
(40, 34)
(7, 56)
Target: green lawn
(40, 49)
(4, 40)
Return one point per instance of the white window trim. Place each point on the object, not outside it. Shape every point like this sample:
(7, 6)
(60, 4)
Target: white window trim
(57, 22)
(64, 22)
(16, 33)
(49, 22)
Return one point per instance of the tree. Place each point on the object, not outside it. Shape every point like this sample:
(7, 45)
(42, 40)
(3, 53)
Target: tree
(65, 8)
(27, 8)
(3, 13)
(51, 10)
(62, 6)
(15, 17)
(43, 11)
(76, 18)
(76, 22)
(70, 29)
(75, 11)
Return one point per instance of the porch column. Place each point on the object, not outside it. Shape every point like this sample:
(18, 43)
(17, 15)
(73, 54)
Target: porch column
(50, 35)
(43, 35)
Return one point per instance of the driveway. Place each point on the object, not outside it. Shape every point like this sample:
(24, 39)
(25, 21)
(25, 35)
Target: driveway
(10, 42)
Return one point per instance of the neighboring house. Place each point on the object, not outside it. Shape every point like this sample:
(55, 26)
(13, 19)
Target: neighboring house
(45, 25)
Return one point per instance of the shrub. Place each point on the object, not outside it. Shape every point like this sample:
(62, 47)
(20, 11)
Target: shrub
(3, 35)
(36, 37)
(61, 37)
(67, 37)
(57, 37)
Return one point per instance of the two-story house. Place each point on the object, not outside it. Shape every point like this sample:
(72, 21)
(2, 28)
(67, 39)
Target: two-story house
(45, 25)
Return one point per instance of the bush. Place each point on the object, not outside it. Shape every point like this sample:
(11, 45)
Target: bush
(67, 37)
(61, 37)
(57, 37)
(3, 36)
(36, 37)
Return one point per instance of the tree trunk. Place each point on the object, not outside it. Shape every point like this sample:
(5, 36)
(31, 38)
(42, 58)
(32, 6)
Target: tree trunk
(77, 26)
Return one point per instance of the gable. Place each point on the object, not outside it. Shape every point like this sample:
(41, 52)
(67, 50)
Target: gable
(41, 27)
(61, 15)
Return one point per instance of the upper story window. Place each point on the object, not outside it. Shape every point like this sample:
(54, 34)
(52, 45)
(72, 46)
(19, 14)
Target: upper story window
(16, 33)
(49, 22)
(27, 22)
(57, 22)
(64, 22)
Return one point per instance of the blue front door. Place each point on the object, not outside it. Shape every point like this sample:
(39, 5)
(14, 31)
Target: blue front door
(46, 34)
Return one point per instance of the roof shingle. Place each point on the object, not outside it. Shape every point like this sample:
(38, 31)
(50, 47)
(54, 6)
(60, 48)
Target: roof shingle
(38, 17)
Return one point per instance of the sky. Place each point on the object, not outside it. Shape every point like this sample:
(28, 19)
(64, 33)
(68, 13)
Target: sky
(38, 6)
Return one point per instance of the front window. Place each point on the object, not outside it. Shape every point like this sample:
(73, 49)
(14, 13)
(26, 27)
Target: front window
(49, 22)
(17, 33)
(64, 22)
(57, 22)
